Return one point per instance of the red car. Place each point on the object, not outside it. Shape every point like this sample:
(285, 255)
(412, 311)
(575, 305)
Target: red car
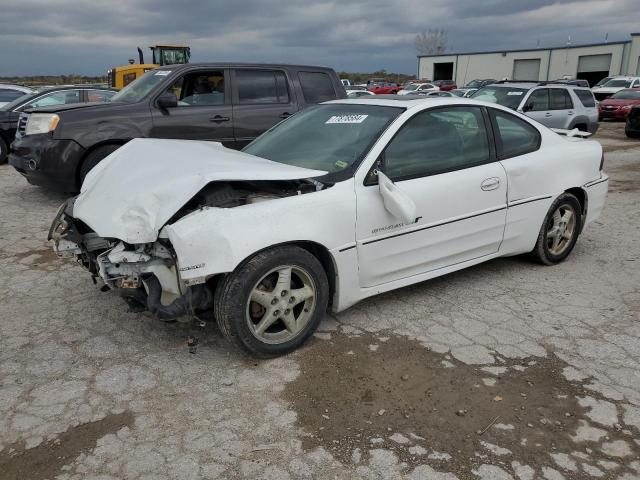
(619, 104)
(445, 85)
(384, 88)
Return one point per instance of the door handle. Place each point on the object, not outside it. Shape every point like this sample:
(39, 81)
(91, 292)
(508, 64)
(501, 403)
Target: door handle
(569, 112)
(285, 115)
(547, 115)
(490, 184)
(219, 119)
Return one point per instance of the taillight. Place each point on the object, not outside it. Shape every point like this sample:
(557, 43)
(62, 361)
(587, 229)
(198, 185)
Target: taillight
(602, 162)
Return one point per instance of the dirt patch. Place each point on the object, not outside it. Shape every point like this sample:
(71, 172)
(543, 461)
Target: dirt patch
(41, 259)
(355, 394)
(624, 178)
(47, 459)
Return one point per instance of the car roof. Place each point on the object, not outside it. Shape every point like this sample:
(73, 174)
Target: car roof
(236, 64)
(12, 86)
(414, 101)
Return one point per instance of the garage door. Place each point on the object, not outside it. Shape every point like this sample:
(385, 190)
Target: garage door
(528, 69)
(594, 63)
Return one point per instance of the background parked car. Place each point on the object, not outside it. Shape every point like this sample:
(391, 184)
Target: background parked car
(463, 92)
(10, 114)
(433, 93)
(359, 93)
(553, 105)
(618, 105)
(632, 127)
(228, 103)
(478, 83)
(615, 85)
(445, 85)
(418, 87)
(8, 92)
(384, 88)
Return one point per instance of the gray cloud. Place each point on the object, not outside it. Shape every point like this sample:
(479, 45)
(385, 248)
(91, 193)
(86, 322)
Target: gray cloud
(44, 37)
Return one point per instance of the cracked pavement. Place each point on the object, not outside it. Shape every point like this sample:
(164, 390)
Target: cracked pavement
(90, 390)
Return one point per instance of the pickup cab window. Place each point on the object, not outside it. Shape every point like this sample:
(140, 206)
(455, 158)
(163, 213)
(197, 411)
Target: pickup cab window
(317, 87)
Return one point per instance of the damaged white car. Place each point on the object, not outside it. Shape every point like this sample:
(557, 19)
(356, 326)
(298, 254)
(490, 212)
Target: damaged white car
(342, 201)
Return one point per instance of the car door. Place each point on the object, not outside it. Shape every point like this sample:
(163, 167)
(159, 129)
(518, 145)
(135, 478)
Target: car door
(444, 160)
(562, 108)
(536, 106)
(261, 98)
(204, 110)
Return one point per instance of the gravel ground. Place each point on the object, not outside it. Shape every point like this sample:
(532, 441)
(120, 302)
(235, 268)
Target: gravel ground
(507, 370)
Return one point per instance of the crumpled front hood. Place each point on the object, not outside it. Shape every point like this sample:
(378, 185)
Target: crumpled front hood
(132, 193)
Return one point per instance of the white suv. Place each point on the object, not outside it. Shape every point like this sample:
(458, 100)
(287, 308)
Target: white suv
(555, 105)
(614, 85)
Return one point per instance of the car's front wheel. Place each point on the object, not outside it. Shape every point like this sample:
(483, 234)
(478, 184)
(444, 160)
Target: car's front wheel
(273, 302)
(559, 231)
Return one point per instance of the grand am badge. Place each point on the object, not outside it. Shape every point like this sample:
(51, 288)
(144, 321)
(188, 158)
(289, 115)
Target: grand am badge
(191, 267)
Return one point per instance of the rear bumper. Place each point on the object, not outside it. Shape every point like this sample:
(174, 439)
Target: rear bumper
(47, 162)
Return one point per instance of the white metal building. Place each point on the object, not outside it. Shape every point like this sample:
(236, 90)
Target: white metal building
(590, 62)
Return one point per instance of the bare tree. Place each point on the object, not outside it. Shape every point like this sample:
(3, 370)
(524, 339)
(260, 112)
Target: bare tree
(431, 42)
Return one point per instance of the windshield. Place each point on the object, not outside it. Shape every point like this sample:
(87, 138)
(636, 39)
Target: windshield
(330, 137)
(459, 93)
(507, 96)
(474, 84)
(16, 102)
(618, 83)
(411, 87)
(140, 88)
(627, 95)
(602, 82)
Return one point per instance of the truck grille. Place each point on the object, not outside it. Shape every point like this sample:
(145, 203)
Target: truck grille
(22, 125)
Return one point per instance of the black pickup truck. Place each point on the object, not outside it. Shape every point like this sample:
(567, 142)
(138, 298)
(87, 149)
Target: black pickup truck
(227, 103)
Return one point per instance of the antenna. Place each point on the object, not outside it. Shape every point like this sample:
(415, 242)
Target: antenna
(606, 37)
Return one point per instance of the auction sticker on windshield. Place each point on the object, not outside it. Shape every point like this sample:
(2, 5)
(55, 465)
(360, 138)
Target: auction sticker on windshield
(514, 93)
(347, 119)
(163, 73)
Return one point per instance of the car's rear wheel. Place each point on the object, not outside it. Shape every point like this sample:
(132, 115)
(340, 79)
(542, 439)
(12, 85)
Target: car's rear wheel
(272, 303)
(559, 231)
(4, 151)
(95, 157)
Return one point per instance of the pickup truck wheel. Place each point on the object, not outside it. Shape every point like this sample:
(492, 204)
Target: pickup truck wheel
(4, 151)
(272, 303)
(560, 230)
(94, 158)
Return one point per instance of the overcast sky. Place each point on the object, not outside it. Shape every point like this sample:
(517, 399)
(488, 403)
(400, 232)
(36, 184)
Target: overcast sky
(87, 37)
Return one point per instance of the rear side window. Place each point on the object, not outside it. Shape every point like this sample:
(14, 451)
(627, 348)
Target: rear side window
(586, 97)
(514, 136)
(559, 99)
(261, 86)
(316, 87)
(7, 95)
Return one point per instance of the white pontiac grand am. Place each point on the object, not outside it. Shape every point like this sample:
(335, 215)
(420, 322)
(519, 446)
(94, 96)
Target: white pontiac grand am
(340, 202)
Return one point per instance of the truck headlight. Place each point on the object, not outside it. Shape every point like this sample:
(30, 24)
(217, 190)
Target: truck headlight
(41, 123)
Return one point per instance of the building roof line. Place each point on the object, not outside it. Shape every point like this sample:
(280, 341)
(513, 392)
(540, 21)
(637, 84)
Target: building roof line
(601, 44)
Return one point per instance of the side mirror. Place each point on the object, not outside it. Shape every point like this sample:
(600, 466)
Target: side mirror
(527, 108)
(397, 202)
(167, 100)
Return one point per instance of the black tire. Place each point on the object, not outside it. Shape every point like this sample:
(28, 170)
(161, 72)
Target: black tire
(232, 297)
(94, 158)
(4, 150)
(628, 133)
(542, 251)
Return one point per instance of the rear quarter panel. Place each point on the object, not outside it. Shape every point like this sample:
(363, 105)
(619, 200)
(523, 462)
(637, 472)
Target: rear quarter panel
(536, 179)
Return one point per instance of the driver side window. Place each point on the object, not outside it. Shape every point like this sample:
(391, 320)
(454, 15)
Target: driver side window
(200, 89)
(538, 101)
(437, 141)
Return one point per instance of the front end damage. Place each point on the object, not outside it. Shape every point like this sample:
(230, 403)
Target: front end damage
(145, 275)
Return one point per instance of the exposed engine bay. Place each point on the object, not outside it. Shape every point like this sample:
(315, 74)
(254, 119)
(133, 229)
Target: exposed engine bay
(147, 275)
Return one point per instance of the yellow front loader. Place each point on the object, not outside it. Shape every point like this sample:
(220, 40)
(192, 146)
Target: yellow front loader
(120, 77)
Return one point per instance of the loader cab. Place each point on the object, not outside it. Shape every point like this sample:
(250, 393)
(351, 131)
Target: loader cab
(170, 54)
